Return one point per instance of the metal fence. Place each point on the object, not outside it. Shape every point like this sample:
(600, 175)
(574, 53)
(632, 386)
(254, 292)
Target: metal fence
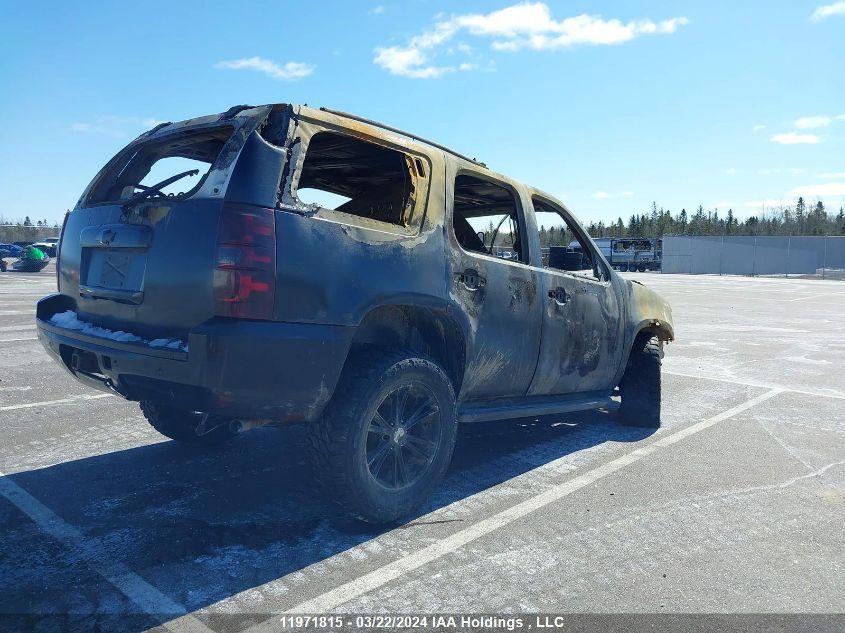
(801, 256)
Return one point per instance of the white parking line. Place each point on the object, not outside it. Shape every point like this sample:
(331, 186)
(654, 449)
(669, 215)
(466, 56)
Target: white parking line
(11, 312)
(368, 582)
(17, 328)
(93, 554)
(12, 340)
(821, 394)
(50, 403)
(816, 296)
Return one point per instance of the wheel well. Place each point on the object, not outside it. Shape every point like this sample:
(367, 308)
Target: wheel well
(424, 330)
(656, 328)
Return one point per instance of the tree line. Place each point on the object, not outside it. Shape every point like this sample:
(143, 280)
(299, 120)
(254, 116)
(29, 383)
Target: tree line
(26, 230)
(800, 219)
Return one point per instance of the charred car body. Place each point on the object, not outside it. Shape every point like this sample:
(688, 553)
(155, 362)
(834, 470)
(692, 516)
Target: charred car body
(325, 269)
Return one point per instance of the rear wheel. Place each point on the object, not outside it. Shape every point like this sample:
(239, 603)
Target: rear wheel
(623, 268)
(386, 438)
(181, 425)
(640, 384)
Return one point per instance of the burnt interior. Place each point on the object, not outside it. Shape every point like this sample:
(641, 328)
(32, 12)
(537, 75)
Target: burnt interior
(476, 198)
(377, 179)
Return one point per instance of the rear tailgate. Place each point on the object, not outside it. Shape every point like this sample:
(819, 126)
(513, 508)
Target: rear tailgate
(148, 267)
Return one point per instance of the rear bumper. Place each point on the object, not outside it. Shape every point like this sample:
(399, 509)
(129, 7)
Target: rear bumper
(285, 371)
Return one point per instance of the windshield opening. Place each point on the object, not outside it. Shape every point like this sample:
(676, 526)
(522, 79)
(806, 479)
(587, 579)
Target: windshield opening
(153, 162)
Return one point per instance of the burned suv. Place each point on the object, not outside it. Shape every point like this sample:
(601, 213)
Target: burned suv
(285, 264)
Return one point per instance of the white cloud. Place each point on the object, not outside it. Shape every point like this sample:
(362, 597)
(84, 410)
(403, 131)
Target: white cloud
(792, 138)
(795, 171)
(524, 25)
(840, 117)
(757, 128)
(837, 174)
(289, 71)
(601, 195)
(377, 10)
(812, 122)
(766, 171)
(531, 25)
(730, 170)
(827, 10)
(408, 62)
(627, 194)
(827, 189)
(724, 205)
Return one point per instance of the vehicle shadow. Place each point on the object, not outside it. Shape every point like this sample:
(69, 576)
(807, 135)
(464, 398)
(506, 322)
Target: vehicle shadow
(203, 526)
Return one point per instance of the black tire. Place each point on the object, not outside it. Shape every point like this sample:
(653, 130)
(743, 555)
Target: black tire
(640, 384)
(351, 464)
(623, 268)
(181, 425)
(642, 269)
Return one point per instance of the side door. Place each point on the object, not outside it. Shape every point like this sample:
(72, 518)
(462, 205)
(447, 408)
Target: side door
(583, 337)
(493, 286)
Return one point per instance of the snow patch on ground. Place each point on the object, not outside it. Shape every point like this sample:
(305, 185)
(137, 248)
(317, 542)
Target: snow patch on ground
(70, 321)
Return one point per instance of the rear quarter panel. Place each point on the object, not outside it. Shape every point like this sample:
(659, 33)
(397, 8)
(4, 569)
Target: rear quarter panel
(333, 271)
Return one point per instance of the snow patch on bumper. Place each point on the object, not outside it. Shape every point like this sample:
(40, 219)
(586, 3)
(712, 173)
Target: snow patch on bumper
(70, 321)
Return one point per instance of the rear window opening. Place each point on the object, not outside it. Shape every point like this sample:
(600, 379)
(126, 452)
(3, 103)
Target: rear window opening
(486, 218)
(152, 162)
(348, 175)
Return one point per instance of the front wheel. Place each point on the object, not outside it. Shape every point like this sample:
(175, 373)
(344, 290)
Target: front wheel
(640, 384)
(386, 438)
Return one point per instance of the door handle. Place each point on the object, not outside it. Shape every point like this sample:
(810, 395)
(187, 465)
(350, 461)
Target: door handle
(470, 279)
(558, 295)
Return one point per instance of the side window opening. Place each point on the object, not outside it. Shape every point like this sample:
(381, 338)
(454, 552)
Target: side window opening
(486, 219)
(349, 175)
(155, 161)
(563, 248)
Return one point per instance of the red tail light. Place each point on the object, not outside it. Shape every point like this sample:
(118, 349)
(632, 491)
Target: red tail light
(245, 273)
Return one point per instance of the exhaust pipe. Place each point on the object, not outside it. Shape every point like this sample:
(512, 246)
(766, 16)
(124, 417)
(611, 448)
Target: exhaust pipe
(208, 423)
(242, 426)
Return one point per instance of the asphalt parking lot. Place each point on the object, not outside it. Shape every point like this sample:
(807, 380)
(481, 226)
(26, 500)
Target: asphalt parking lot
(735, 505)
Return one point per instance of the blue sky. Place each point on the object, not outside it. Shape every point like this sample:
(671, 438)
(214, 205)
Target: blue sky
(608, 105)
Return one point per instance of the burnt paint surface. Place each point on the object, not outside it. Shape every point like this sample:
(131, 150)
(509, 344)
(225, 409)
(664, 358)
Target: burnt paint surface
(582, 336)
(503, 313)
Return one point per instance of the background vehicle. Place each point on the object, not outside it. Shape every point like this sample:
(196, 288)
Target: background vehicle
(10, 250)
(48, 245)
(25, 265)
(631, 254)
(304, 265)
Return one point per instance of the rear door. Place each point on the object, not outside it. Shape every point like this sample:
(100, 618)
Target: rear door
(492, 283)
(582, 338)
